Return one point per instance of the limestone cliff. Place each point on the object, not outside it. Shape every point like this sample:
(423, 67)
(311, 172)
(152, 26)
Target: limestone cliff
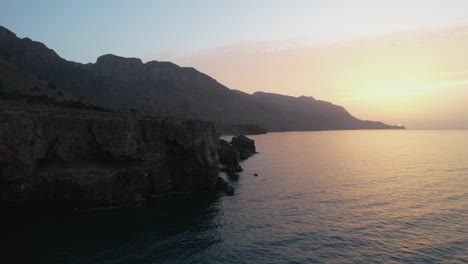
(86, 159)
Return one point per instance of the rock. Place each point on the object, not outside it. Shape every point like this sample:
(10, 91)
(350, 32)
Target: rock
(230, 154)
(231, 170)
(233, 177)
(244, 145)
(229, 191)
(229, 157)
(240, 129)
(50, 157)
(223, 186)
(255, 174)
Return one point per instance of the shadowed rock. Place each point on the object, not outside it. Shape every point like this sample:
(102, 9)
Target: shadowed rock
(240, 129)
(223, 186)
(244, 145)
(229, 157)
(51, 157)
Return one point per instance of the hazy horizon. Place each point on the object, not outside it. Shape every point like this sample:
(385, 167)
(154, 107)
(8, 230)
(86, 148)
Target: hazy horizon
(417, 79)
(231, 132)
(403, 62)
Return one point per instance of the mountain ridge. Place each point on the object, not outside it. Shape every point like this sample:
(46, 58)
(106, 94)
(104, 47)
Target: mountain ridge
(162, 89)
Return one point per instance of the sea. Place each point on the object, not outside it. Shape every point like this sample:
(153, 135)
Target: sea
(365, 196)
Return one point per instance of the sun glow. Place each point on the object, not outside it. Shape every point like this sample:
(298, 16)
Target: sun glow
(416, 79)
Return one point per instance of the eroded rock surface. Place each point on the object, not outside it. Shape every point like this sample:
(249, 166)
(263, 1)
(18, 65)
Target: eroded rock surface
(223, 186)
(83, 159)
(244, 145)
(229, 157)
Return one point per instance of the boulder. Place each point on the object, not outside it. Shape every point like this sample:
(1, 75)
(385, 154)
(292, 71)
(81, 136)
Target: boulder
(223, 186)
(229, 157)
(244, 145)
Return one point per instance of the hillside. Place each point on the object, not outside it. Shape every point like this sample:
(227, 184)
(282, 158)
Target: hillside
(160, 88)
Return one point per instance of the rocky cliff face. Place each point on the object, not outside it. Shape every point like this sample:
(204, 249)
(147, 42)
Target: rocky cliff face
(230, 154)
(240, 129)
(84, 159)
(229, 157)
(244, 145)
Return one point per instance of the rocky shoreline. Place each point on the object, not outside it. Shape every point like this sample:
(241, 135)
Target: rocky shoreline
(52, 157)
(231, 153)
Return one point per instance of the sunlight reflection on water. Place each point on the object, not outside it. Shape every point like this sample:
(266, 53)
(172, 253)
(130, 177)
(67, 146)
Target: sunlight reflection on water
(320, 197)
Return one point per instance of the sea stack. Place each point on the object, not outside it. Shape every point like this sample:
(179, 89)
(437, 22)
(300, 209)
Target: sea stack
(244, 145)
(229, 157)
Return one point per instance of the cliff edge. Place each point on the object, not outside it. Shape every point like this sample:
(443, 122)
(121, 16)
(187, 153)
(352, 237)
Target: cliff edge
(88, 159)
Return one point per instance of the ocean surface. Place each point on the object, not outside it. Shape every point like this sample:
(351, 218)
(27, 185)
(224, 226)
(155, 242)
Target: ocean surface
(320, 197)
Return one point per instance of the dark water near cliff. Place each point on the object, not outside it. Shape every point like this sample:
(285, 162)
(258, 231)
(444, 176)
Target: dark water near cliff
(320, 197)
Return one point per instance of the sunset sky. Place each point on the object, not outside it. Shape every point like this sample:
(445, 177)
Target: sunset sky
(400, 62)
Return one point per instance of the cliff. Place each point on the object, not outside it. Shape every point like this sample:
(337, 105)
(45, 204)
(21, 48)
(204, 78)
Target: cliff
(87, 159)
(240, 129)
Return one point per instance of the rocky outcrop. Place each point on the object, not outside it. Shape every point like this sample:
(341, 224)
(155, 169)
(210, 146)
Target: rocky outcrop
(223, 186)
(240, 129)
(230, 154)
(84, 159)
(229, 157)
(244, 145)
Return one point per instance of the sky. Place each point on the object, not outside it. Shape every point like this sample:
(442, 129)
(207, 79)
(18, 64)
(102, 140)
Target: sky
(400, 62)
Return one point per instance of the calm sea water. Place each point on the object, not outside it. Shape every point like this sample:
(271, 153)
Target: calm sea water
(320, 197)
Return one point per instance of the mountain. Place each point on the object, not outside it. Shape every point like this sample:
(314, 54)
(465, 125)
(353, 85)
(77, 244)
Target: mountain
(160, 88)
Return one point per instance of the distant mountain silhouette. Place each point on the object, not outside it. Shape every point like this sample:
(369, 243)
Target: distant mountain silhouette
(161, 88)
